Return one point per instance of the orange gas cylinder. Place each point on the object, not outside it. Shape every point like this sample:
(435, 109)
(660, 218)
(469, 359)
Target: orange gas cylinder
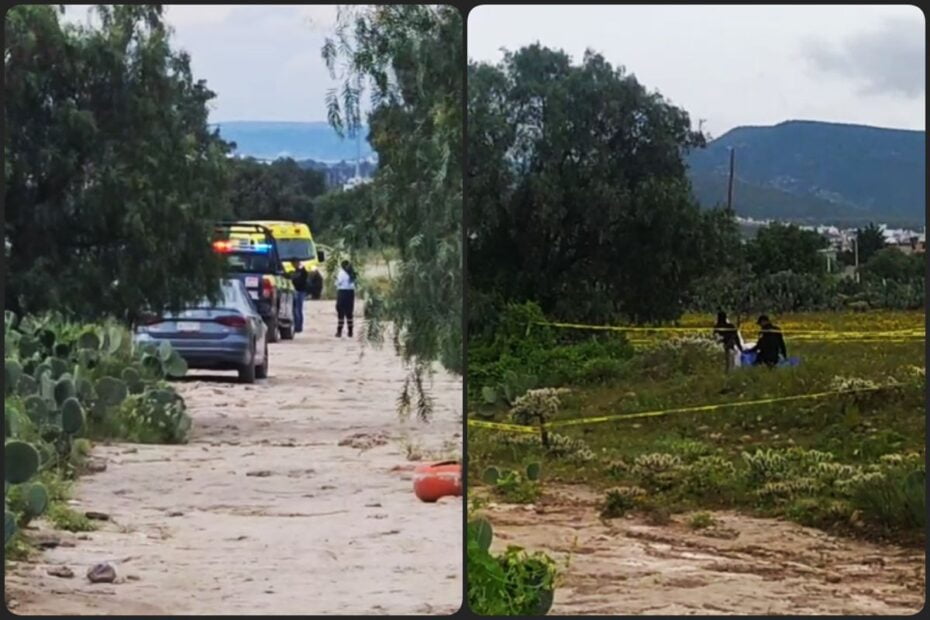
(430, 482)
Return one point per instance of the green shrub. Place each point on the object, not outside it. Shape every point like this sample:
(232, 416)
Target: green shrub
(514, 583)
(894, 501)
(711, 478)
(620, 500)
(701, 521)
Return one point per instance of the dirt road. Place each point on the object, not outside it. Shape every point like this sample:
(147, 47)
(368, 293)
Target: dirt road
(269, 509)
(742, 566)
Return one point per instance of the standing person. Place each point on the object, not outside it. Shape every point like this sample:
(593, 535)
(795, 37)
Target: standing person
(301, 281)
(345, 296)
(771, 345)
(729, 336)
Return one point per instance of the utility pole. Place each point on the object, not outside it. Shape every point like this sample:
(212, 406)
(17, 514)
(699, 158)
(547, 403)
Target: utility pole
(856, 247)
(730, 182)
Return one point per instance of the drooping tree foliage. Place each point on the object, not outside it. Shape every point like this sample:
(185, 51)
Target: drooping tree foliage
(409, 58)
(577, 194)
(112, 176)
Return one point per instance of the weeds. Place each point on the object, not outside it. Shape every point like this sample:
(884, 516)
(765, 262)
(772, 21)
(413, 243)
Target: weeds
(853, 463)
(621, 500)
(64, 518)
(514, 583)
(701, 521)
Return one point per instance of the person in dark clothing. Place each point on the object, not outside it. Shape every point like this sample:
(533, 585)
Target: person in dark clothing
(770, 348)
(728, 335)
(301, 281)
(345, 297)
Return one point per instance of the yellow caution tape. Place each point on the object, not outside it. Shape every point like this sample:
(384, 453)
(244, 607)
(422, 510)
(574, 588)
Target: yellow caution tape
(710, 329)
(513, 428)
(516, 428)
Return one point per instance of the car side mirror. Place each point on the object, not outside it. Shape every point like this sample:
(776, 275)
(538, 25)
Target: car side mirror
(321, 256)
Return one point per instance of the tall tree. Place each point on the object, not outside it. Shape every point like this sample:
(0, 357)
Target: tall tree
(870, 240)
(279, 190)
(577, 194)
(786, 247)
(112, 176)
(410, 57)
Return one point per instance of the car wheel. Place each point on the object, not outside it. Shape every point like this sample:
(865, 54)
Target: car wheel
(273, 330)
(287, 333)
(247, 371)
(261, 372)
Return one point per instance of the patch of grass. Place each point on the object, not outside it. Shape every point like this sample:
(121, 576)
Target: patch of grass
(19, 550)
(896, 501)
(707, 470)
(64, 518)
(701, 521)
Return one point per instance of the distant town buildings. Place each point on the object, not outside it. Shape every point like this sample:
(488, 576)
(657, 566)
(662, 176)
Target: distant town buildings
(843, 239)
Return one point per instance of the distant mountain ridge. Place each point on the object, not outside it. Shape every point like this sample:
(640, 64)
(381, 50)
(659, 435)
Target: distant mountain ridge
(315, 140)
(816, 172)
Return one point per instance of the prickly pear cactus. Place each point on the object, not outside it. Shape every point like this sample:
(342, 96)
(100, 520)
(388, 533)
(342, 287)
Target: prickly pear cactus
(64, 389)
(35, 498)
(58, 366)
(111, 391)
(483, 532)
(12, 370)
(491, 475)
(9, 526)
(27, 385)
(532, 471)
(72, 416)
(20, 461)
(133, 379)
(89, 340)
(175, 366)
(36, 408)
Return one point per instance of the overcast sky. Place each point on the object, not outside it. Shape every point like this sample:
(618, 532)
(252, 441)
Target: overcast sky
(263, 61)
(746, 65)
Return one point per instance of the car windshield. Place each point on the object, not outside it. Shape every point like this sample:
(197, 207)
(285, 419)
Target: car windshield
(230, 297)
(299, 249)
(250, 262)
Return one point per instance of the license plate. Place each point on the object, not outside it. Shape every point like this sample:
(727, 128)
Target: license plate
(253, 294)
(184, 326)
(251, 281)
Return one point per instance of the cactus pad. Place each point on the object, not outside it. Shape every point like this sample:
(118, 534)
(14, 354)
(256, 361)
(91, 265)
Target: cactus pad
(89, 340)
(111, 391)
(20, 461)
(175, 366)
(12, 370)
(36, 408)
(532, 471)
(59, 367)
(72, 416)
(64, 389)
(27, 386)
(35, 498)
(483, 533)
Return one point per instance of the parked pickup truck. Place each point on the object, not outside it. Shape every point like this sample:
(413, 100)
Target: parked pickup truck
(252, 256)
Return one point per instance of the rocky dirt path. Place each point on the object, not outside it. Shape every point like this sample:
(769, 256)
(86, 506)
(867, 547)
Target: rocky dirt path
(294, 496)
(742, 566)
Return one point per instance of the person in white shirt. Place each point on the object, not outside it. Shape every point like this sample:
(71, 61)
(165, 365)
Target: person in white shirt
(345, 297)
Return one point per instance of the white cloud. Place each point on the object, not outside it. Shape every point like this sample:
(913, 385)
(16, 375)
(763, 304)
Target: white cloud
(730, 64)
(191, 14)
